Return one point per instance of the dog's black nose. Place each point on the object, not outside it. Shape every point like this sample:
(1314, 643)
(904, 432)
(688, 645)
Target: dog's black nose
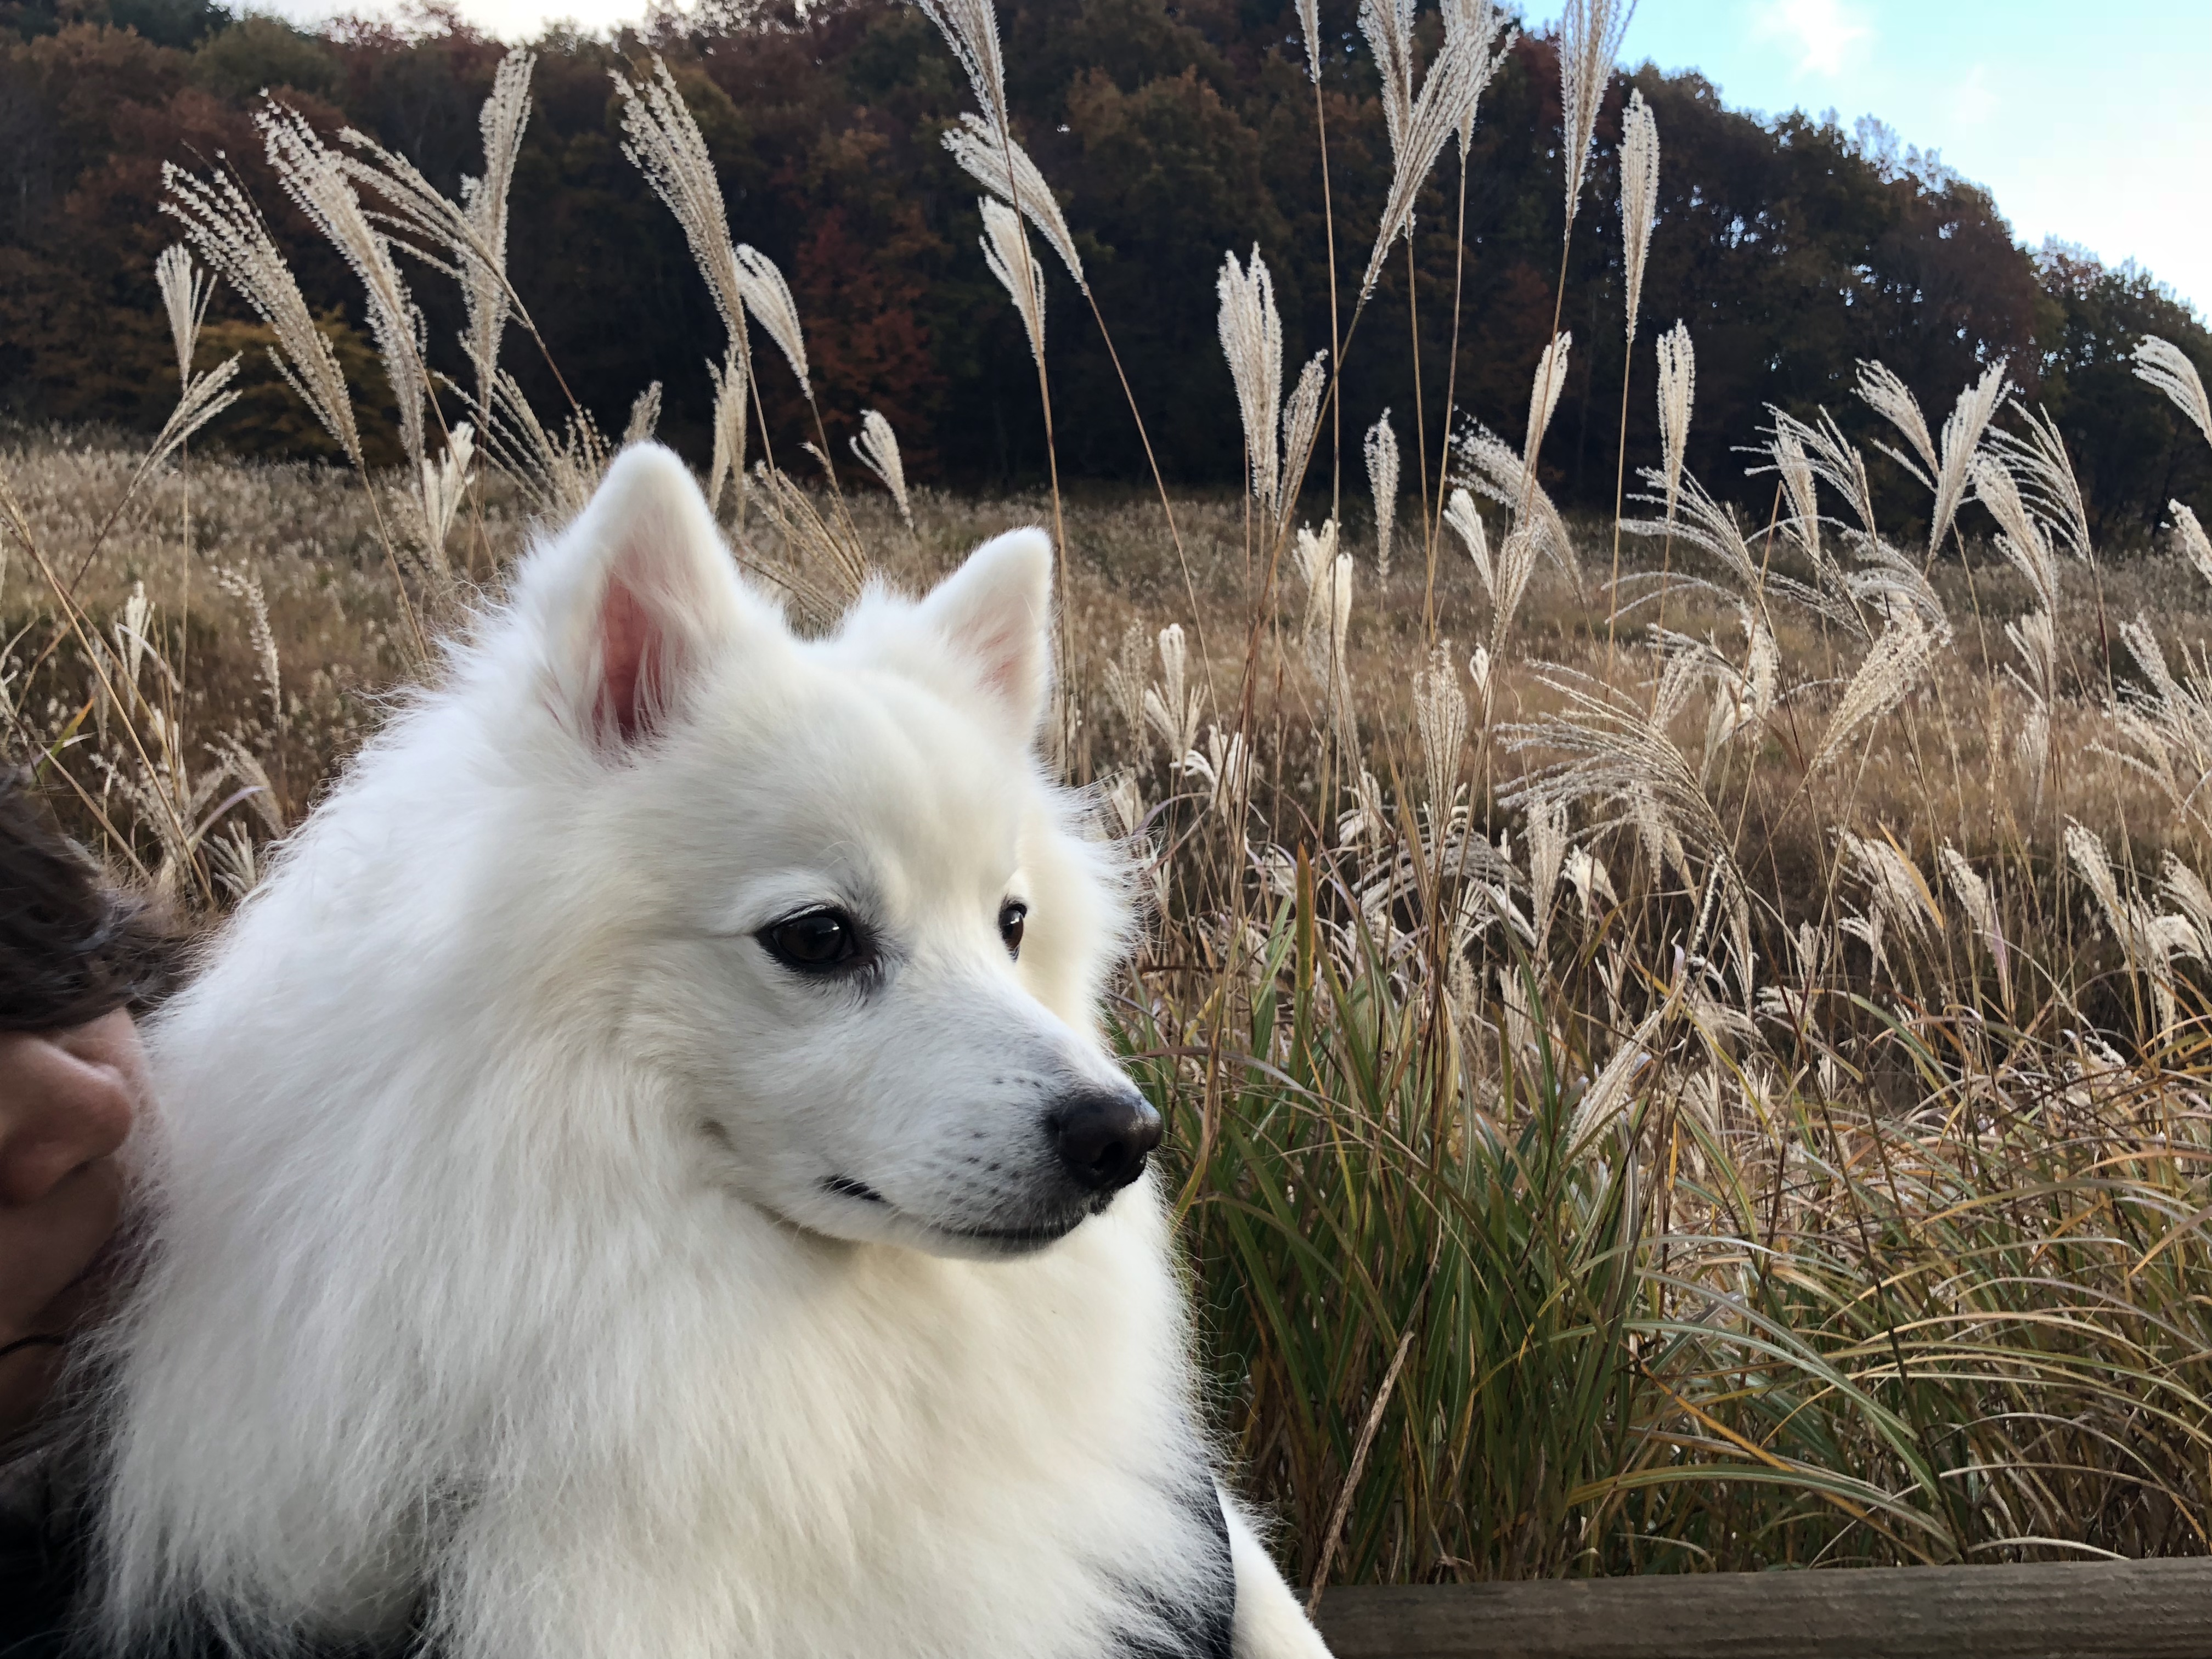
(1103, 1136)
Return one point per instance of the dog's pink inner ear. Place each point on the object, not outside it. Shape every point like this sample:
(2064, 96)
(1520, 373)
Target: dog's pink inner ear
(996, 610)
(1006, 646)
(630, 670)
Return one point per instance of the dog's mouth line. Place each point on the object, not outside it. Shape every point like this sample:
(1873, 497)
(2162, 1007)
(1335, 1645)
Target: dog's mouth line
(861, 1192)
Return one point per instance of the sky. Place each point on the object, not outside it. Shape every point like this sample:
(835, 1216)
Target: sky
(2091, 125)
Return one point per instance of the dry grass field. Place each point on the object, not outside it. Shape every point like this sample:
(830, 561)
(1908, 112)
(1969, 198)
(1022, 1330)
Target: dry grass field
(1685, 1036)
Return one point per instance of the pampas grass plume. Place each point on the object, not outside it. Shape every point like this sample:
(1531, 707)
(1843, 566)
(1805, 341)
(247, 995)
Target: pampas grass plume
(1006, 251)
(2163, 364)
(232, 237)
(1591, 32)
(1382, 451)
(878, 448)
(1252, 340)
(1640, 196)
(1678, 392)
(1001, 166)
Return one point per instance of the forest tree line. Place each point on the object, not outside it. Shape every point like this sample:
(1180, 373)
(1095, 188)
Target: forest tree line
(1792, 248)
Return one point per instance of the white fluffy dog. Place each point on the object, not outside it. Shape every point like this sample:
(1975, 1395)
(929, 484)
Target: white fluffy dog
(643, 1182)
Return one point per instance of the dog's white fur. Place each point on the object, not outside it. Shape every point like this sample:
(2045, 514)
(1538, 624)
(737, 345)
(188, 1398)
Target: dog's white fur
(495, 1286)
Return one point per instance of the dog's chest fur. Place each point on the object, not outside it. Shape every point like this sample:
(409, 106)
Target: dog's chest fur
(983, 1458)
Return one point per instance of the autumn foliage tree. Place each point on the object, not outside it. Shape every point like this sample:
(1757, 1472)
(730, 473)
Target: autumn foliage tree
(1792, 248)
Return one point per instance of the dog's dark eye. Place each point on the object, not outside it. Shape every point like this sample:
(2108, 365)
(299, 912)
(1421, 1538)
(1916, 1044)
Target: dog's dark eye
(822, 941)
(1012, 914)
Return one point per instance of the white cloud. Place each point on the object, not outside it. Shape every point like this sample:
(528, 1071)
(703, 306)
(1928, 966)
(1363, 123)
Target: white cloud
(1822, 33)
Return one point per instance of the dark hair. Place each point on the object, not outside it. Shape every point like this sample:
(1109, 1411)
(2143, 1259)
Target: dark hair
(71, 948)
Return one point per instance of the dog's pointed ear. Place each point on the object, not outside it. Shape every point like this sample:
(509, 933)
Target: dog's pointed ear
(995, 611)
(643, 593)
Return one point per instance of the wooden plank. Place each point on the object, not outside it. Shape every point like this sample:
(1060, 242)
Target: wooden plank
(2086, 1610)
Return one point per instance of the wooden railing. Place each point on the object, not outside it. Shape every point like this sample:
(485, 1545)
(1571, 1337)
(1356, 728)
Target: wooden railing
(2100, 1610)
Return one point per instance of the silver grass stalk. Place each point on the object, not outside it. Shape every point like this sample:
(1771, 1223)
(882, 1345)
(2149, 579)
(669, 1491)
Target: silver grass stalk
(1831, 458)
(1251, 334)
(2166, 721)
(1482, 31)
(1962, 437)
(1798, 486)
(1892, 668)
(1678, 392)
(1460, 514)
(1301, 416)
(231, 237)
(1591, 32)
(1328, 657)
(558, 468)
(203, 400)
(445, 484)
(2187, 889)
(1895, 885)
(1888, 581)
(2021, 537)
(186, 289)
(1612, 1092)
(2195, 545)
(767, 296)
(1389, 27)
(483, 202)
(663, 142)
(823, 570)
(2162, 364)
(1309, 27)
(1440, 717)
(1382, 451)
(1006, 251)
(1226, 763)
(1516, 563)
(728, 465)
(1544, 390)
(1618, 753)
(1174, 707)
(1711, 526)
(1312, 555)
(473, 231)
(970, 28)
(1639, 196)
(2044, 474)
(1974, 899)
(1881, 390)
(2035, 637)
(1001, 166)
(317, 180)
(644, 416)
(1943, 469)
(877, 446)
(1496, 469)
(130, 634)
(2146, 938)
(1124, 678)
(1419, 126)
